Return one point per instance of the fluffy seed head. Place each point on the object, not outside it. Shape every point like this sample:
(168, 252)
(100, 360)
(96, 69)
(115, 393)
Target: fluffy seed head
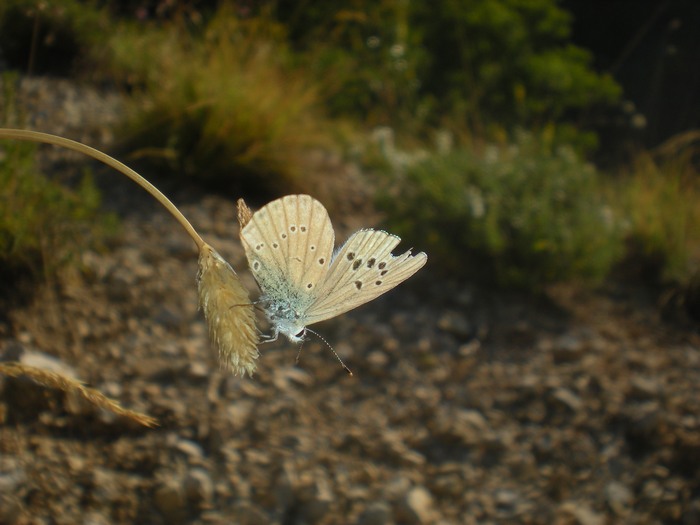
(229, 313)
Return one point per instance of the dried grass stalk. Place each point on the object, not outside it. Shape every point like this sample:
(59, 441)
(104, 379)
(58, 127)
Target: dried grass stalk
(229, 313)
(67, 384)
(225, 302)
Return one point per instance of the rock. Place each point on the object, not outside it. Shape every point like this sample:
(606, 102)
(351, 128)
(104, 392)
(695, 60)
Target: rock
(170, 500)
(692, 514)
(285, 377)
(45, 362)
(198, 370)
(191, 449)
(416, 507)
(456, 324)
(13, 479)
(377, 513)
(198, 487)
(283, 490)
(316, 499)
(377, 361)
(466, 425)
(567, 399)
(619, 497)
(231, 420)
(568, 348)
(104, 486)
(580, 513)
(30, 398)
(397, 448)
(248, 514)
(397, 487)
(169, 318)
(644, 388)
(12, 475)
(506, 501)
(95, 518)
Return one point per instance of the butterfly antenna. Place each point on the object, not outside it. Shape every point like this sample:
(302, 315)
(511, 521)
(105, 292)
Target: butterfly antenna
(332, 350)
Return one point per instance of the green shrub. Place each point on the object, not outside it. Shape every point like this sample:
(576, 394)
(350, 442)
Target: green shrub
(221, 104)
(519, 215)
(508, 62)
(43, 223)
(488, 65)
(364, 55)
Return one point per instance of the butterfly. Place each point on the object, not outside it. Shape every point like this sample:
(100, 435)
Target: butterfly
(289, 244)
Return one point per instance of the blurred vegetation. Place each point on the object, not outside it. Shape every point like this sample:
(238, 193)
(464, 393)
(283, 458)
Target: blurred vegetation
(490, 66)
(44, 224)
(522, 214)
(49, 36)
(657, 199)
(221, 101)
(236, 95)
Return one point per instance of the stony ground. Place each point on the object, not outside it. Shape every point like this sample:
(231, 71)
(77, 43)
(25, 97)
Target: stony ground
(465, 407)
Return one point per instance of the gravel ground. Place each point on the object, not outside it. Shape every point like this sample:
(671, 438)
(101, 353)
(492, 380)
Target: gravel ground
(464, 407)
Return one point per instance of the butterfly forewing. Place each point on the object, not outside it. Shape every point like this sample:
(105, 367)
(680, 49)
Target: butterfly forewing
(362, 270)
(289, 243)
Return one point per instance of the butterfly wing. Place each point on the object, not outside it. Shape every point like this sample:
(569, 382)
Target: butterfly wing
(362, 270)
(289, 245)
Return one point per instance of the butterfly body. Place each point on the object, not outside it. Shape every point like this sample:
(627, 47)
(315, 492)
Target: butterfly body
(289, 246)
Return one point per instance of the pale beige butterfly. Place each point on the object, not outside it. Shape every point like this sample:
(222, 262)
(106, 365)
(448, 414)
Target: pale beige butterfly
(289, 245)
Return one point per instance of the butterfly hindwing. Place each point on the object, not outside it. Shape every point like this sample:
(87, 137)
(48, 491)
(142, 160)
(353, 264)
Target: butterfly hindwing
(362, 270)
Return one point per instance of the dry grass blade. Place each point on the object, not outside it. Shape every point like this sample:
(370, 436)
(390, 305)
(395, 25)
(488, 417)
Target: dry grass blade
(66, 384)
(244, 213)
(228, 311)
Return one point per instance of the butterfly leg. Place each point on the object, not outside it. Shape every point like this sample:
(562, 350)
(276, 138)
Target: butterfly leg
(269, 338)
(296, 361)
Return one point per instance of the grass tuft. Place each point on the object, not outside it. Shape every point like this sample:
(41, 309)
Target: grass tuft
(237, 116)
(658, 202)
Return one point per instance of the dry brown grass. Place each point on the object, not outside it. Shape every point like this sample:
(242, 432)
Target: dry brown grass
(69, 385)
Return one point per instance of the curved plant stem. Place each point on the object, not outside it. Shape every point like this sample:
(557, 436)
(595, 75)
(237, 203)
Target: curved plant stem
(36, 136)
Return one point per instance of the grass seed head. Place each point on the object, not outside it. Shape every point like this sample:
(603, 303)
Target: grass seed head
(229, 313)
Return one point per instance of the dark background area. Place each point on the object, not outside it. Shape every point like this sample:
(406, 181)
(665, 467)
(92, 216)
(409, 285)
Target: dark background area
(652, 48)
